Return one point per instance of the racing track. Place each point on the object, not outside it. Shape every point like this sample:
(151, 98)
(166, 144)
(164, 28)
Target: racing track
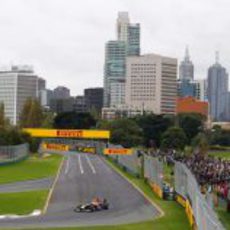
(82, 177)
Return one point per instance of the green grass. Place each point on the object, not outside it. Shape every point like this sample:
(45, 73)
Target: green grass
(22, 202)
(223, 155)
(224, 217)
(29, 169)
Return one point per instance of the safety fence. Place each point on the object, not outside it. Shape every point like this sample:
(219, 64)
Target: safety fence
(199, 212)
(13, 153)
(129, 163)
(153, 172)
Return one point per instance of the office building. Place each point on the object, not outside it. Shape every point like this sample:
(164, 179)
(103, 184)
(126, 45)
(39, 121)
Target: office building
(45, 97)
(61, 92)
(16, 86)
(114, 69)
(127, 44)
(151, 84)
(186, 68)
(217, 91)
(193, 88)
(94, 99)
(192, 105)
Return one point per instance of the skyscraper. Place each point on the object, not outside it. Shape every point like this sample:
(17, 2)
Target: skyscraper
(114, 70)
(16, 85)
(61, 92)
(151, 84)
(186, 69)
(217, 91)
(127, 44)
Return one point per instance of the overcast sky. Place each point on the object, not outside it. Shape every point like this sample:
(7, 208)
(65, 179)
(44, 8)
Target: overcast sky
(64, 39)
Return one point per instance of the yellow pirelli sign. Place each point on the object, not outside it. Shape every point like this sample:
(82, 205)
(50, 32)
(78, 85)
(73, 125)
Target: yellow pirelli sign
(59, 147)
(69, 133)
(118, 151)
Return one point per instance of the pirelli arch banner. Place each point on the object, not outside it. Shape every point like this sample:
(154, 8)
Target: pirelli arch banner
(69, 133)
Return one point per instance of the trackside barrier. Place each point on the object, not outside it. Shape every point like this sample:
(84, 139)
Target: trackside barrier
(13, 153)
(199, 213)
(60, 145)
(153, 172)
(130, 163)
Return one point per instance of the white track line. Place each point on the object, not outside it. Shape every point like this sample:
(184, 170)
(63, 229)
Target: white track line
(67, 165)
(80, 164)
(90, 164)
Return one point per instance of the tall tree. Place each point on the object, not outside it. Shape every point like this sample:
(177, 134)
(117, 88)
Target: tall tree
(32, 114)
(74, 120)
(191, 123)
(174, 138)
(124, 131)
(153, 127)
(200, 142)
(4, 122)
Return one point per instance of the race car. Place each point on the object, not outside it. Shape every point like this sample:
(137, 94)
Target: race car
(96, 204)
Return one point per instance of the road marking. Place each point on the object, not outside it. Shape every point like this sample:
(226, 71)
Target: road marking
(67, 165)
(52, 188)
(90, 164)
(161, 212)
(80, 164)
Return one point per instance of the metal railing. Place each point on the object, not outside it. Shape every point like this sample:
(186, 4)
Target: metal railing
(187, 186)
(13, 153)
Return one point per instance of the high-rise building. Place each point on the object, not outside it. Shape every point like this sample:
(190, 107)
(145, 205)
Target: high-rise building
(186, 68)
(114, 69)
(193, 88)
(151, 84)
(16, 86)
(45, 97)
(61, 92)
(127, 44)
(217, 91)
(94, 98)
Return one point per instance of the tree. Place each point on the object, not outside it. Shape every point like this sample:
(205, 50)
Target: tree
(4, 122)
(153, 127)
(124, 131)
(48, 120)
(74, 120)
(200, 142)
(191, 123)
(32, 114)
(173, 138)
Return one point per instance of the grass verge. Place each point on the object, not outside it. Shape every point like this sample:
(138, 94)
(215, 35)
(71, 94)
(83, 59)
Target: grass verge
(22, 203)
(223, 155)
(30, 169)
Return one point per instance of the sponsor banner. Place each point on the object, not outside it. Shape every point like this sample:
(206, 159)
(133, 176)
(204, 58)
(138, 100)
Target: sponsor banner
(118, 151)
(86, 149)
(156, 189)
(69, 133)
(189, 212)
(181, 200)
(59, 147)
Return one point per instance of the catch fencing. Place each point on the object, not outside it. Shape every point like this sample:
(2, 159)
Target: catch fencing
(130, 163)
(153, 171)
(13, 153)
(187, 187)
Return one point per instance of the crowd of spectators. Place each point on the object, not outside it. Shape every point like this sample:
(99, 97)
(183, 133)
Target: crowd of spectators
(211, 173)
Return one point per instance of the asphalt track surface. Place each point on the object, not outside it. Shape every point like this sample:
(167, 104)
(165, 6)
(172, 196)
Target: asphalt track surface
(82, 177)
(27, 185)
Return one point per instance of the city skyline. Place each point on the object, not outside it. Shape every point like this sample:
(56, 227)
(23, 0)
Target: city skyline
(42, 34)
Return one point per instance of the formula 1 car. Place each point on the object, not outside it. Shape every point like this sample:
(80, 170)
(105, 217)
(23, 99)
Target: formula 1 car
(95, 205)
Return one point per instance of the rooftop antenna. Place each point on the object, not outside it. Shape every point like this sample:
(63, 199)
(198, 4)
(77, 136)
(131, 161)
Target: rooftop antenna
(217, 57)
(187, 57)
